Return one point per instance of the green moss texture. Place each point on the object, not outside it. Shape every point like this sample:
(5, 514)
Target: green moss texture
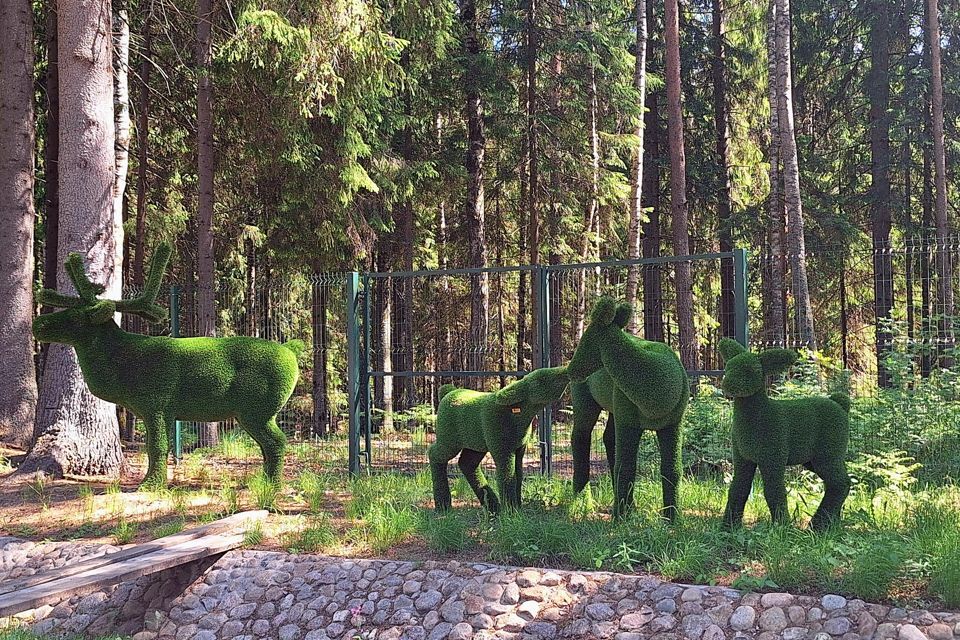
(643, 386)
(163, 379)
(774, 434)
(473, 423)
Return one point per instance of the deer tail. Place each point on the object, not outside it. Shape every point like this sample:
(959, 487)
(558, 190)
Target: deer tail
(444, 390)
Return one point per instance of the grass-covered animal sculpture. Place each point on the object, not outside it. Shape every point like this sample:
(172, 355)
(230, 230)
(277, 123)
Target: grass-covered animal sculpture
(774, 434)
(643, 386)
(473, 423)
(163, 379)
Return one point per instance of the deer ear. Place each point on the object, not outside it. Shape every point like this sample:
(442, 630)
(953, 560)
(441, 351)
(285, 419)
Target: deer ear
(776, 361)
(603, 311)
(730, 348)
(101, 312)
(622, 316)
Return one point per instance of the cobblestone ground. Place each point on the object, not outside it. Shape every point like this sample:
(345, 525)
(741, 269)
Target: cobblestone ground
(248, 595)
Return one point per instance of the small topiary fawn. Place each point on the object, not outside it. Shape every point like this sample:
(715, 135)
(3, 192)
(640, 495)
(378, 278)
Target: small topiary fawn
(165, 379)
(772, 434)
(473, 423)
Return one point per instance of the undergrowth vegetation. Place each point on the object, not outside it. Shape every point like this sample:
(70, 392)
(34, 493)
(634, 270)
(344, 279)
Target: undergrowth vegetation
(898, 543)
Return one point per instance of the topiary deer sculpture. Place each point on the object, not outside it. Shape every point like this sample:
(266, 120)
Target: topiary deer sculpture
(773, 434)
(643, 386)
(162, 379)
(472, 423)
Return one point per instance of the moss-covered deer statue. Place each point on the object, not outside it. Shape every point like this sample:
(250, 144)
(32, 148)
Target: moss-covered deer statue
(163, 379)
(643, 386)
(773, 434)
(473, 423)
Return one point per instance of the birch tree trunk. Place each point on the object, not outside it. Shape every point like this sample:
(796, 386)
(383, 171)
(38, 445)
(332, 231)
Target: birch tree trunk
(121, 100)
(775, 311)
(143, 150)
(791, 178)
(678, 188)
(77, 433)
(18, 387)
(944, 263)
(636, 173)
(206, 287)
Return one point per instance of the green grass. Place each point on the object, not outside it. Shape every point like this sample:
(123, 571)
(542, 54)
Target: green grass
(313, 488)
(898, 542)
(167, 528)
(263, 490)
(317, 534)
(124, 531)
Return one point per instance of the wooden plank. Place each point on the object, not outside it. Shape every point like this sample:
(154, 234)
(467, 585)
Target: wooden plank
(237, 521)
(106, 575)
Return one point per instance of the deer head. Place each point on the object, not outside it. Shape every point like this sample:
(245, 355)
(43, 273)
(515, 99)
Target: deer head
(85, 310)
(744, 373)
(606, 320)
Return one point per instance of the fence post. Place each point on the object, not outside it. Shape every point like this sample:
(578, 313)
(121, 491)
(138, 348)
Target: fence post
(740, 296)
(353, 370)
(175, 333)
(542, 282)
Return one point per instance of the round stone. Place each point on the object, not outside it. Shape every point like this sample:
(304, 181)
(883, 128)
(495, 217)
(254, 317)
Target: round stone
(633, 621)
(600, 611)
(768, 600)
(940, 631)
(667, 605)
(773, 620)
(461, 631)
(528, 578)
(837, 626)
(743, 618)
(831, 602)
(911, 632)
(693, 594)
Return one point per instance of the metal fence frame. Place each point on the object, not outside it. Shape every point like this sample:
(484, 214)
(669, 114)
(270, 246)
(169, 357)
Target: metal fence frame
(360, 373)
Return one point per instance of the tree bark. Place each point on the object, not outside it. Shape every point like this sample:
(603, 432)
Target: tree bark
(724, 204)
(678, 187)
(121, 100)
(206, 287)
(775, 307)
(474, 206)
(143, 150)
(878, 84)
(650, 244)
(944, 258)
(791, 178)
(18, 387)
(77, 433)
(533, 175)
(636, 173)
(592, 211)
(321, 406)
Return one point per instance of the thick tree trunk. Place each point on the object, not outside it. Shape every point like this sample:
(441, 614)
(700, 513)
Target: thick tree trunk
(791, 178)
(51, 155)
(555, 328)
(474, 206)
(774, 304)
(650, 245)
(206, 287)
(18, 386)
(678, 188)
(724, 205)
(878, 84)
(927, 329)
(945, 282)
(143, 151)
(77, 433)
(636, 173)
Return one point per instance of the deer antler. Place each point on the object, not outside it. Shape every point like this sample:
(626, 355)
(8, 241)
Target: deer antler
(145, 304)
(87, 290)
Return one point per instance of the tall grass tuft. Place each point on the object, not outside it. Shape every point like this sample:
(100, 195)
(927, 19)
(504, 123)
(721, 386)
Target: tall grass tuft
(263, 490)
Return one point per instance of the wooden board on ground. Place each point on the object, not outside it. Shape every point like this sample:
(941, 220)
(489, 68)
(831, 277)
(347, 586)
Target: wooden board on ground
(128, 564)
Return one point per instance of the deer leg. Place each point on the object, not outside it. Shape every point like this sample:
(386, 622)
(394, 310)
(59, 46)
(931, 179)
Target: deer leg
(669, 441)
(739, 492)
(470, 466)
(506, 479)
(155, 426)
(585, 414)
(272, 443)
(518, 470)
(438, 476)
(775, 490)
(836, 484)
(610, 441)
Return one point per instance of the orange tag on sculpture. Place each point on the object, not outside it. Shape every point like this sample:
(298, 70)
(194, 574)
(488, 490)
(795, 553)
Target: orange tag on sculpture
(515, 409)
